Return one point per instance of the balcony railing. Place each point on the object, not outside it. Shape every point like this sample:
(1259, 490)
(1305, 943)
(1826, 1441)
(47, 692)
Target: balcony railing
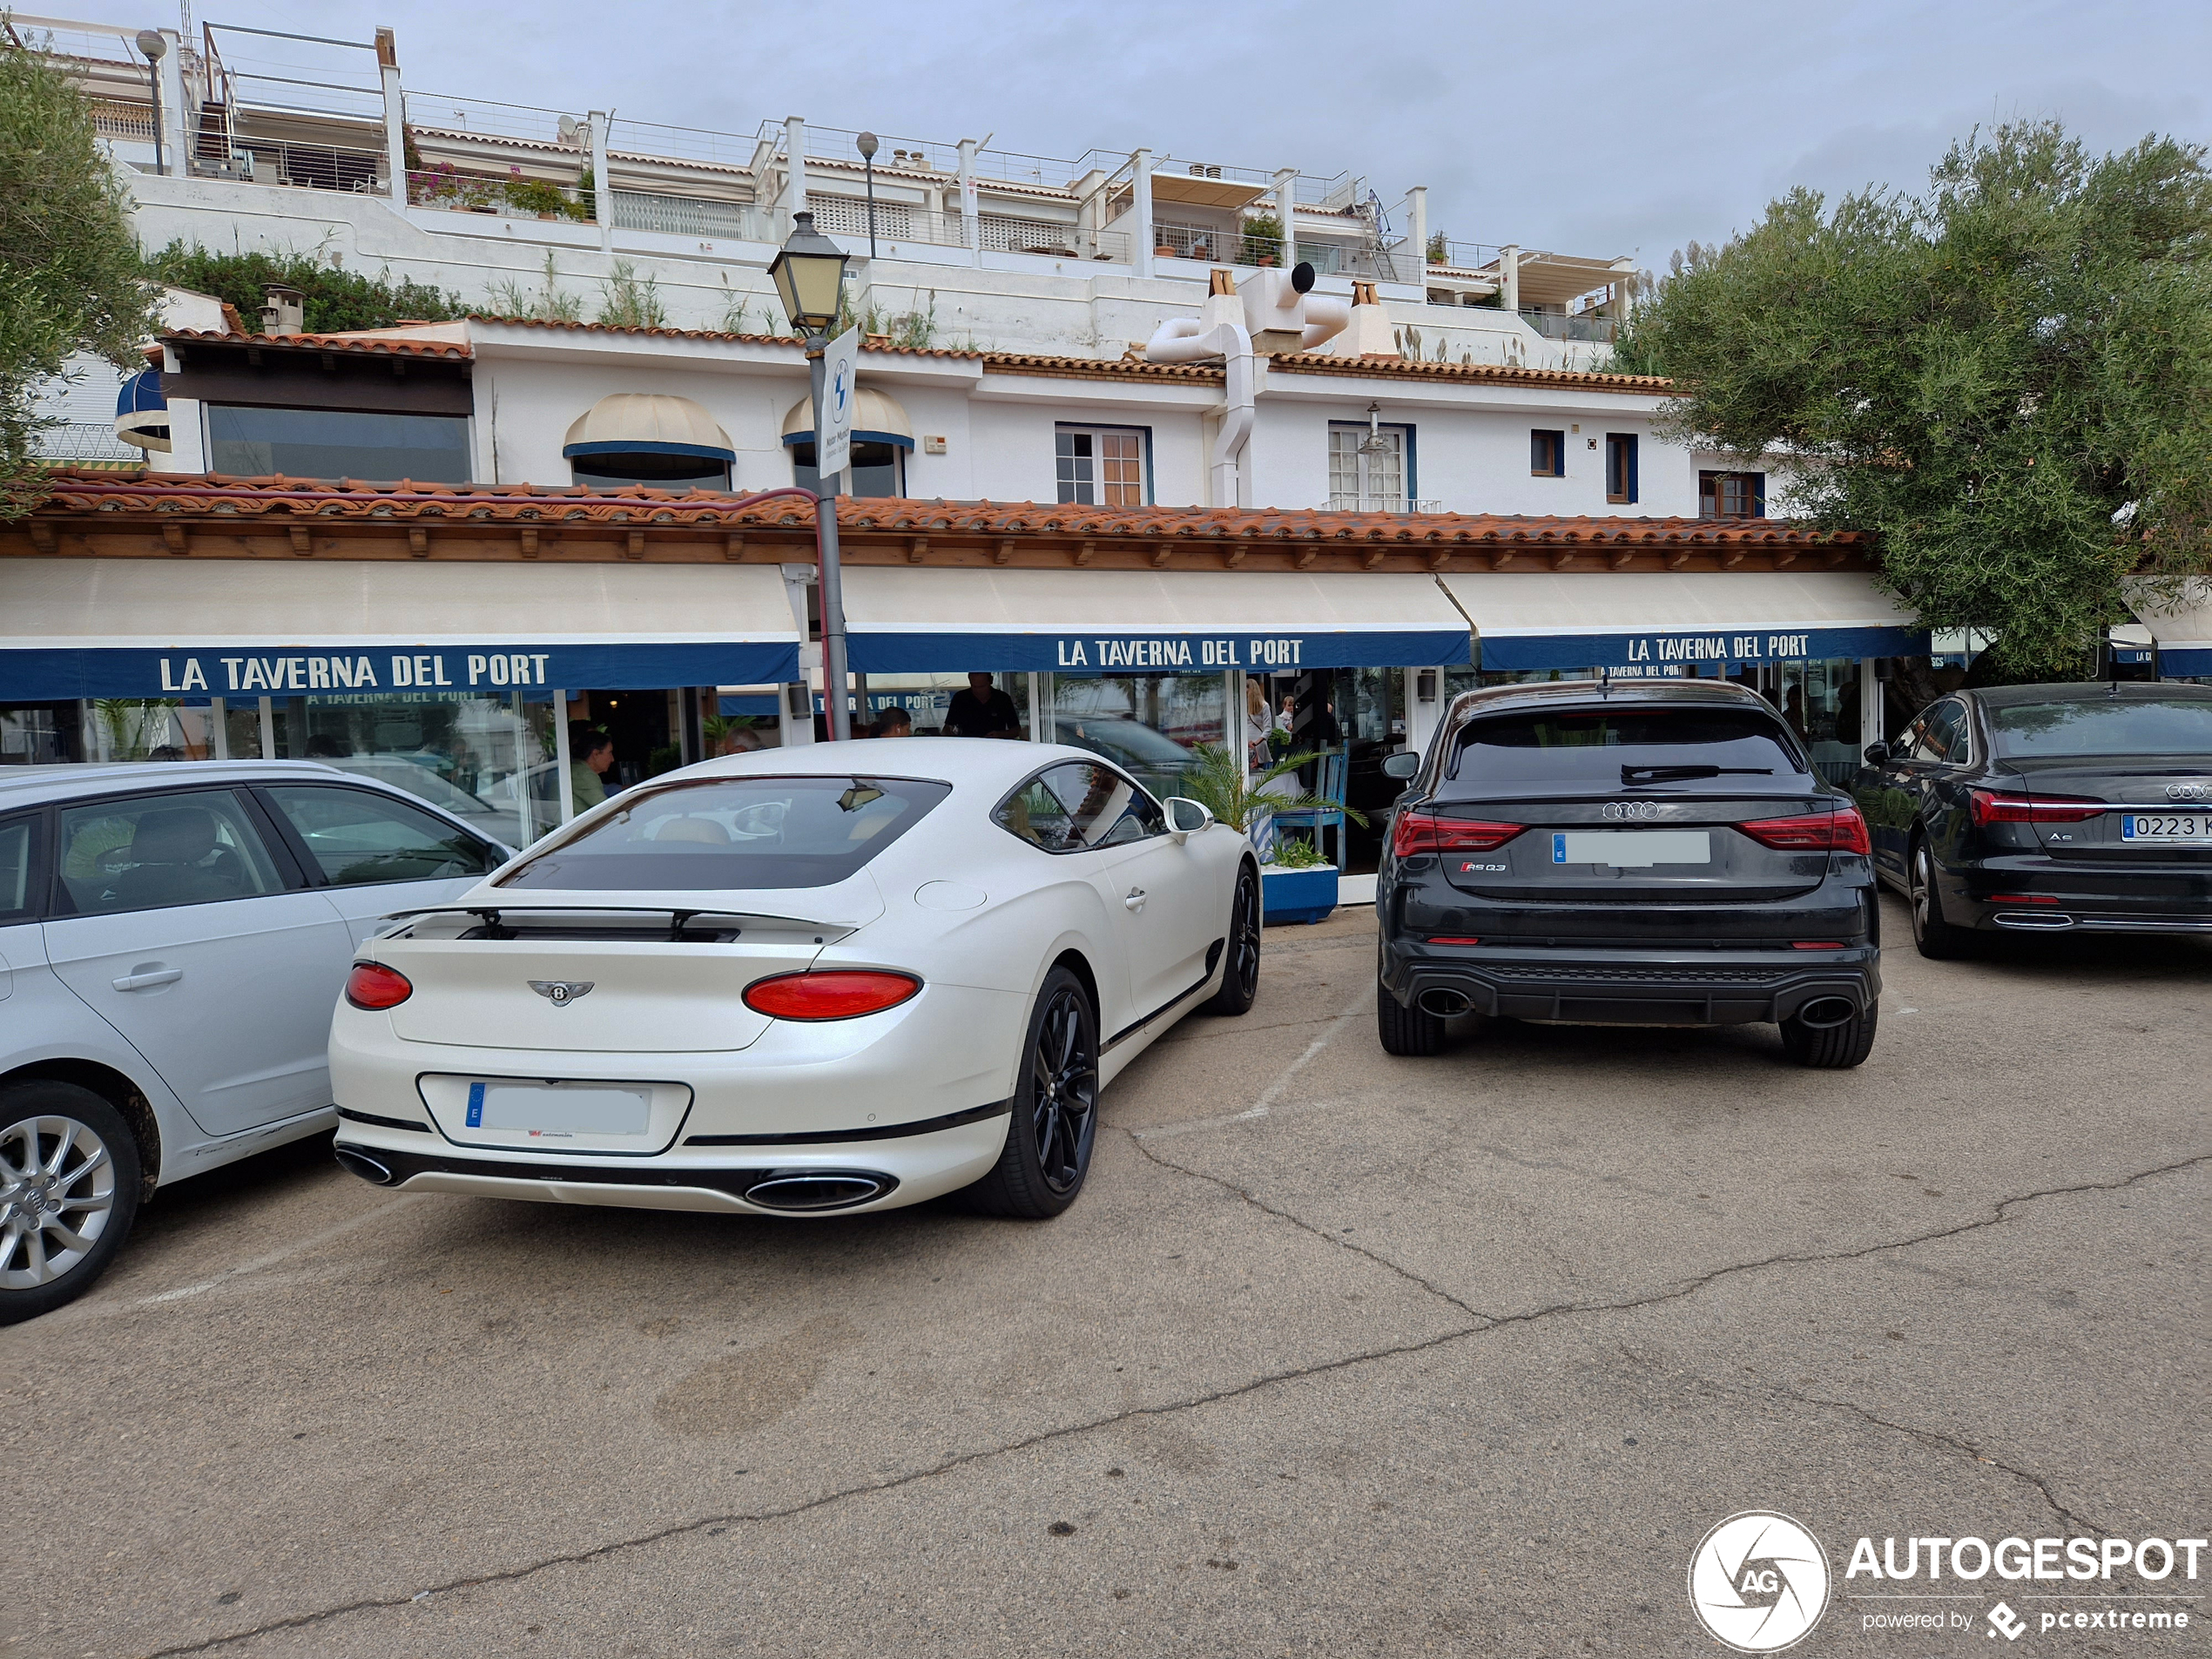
(307, 166)
(1582, 327)
(641, 210)
(1352, 503)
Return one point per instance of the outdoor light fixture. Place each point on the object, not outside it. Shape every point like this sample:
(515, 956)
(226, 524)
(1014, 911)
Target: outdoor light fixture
(809, 274)
(1374, 444)
(150, 42)
(865, 143)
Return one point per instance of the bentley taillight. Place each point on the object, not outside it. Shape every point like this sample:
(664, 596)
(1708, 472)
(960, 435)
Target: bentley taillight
(374, 987)
(834, 994)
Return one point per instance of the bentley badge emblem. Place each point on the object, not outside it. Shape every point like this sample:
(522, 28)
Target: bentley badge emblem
(562, 992)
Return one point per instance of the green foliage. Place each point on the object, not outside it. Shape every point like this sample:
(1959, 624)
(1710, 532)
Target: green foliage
(538, 196)
(915, 329)
(631, 301)
(1263, 239)
(337, 300)
(1438, 250)
(549, 303)
(70, 277)
(1296, 852)
(2007, 381)
(1216, 780)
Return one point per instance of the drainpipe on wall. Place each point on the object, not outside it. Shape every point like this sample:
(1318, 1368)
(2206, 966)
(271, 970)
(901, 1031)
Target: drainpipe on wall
(388, 65)
(603, 191)
(1416, 227)
(1140, 211)
(971, 217)
(1287, 210)
(1219, 331)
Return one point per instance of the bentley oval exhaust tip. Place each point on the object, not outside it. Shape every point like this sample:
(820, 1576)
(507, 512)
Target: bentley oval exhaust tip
(353, 1161)
(817, 1190)
(1445, 1004)
(1825, 1012)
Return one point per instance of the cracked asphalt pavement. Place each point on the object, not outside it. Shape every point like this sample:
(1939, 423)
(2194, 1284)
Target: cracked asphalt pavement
(1339, 1354)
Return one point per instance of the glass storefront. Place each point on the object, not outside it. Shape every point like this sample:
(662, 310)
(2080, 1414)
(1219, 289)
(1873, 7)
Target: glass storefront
(1147, 723)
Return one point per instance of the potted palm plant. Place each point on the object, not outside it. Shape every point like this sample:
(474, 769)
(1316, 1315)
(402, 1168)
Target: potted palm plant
(1295, 884)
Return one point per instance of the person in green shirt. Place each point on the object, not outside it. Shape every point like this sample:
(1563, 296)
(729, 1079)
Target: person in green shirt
(591, 751)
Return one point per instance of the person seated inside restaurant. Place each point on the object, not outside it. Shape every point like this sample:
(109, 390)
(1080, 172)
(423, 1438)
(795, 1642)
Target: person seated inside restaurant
(893, 722)
(592, 752)
(982, 711)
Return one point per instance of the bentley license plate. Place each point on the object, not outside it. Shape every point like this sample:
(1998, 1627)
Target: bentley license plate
(559, 1110)
(2183, 829)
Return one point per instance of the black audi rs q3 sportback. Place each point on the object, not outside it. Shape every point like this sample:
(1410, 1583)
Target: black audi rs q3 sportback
(1641, 853)
(2047, 809)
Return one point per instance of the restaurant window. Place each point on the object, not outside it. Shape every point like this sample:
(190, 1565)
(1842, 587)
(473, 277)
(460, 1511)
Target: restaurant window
(1145, 724)
(1546, 454)
(1370, 470)
(338, 443)
(1621, 467)
(878, 469)
(1731, 495)
(1102, 466)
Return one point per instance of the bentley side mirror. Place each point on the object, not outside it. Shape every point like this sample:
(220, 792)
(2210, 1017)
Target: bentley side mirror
(1403, 764)
(1877, 753)
(1185, 816)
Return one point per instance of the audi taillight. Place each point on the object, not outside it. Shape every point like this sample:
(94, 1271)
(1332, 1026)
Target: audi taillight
(1990, 807)
(1411, 832)
(373, 986)
(1841, 830)
(834, 994)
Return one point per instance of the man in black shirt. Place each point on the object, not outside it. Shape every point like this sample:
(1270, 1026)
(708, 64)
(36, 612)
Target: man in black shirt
(982, 711)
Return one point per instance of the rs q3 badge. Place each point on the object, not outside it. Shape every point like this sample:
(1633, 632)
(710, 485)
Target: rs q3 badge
(562, 992)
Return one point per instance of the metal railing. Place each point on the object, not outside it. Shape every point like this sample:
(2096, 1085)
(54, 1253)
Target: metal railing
(489, 119)
(1346, 502)
(82, 442)
(641, 210)
(1583, 325)
(1475, 257)
(309, 166)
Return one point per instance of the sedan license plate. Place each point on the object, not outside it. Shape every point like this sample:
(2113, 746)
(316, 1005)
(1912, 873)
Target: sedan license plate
(1632, 849)
(2184, 829)
(559, 1110)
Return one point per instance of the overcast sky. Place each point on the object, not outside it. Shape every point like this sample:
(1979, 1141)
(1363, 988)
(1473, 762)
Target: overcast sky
(1592, 128)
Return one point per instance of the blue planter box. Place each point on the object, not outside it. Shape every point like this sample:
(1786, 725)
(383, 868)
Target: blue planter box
(1298, 895)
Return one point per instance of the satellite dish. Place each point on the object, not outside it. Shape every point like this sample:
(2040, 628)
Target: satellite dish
(570, 128)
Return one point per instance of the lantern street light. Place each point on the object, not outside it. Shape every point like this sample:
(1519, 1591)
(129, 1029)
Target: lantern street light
(151, 43)
(809, 274)
(868, 147)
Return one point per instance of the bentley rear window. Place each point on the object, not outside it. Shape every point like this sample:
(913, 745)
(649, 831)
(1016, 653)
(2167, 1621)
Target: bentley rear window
(720, 834)
(2166, 727)
(1625, 747)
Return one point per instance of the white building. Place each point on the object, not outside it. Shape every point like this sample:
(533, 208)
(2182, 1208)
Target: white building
(1449, 484)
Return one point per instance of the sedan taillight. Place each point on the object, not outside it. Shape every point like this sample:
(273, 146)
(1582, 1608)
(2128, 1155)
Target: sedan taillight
(835, 994)
(1990, 807)
(1841, 830)
(1412, 831)
(374, 987)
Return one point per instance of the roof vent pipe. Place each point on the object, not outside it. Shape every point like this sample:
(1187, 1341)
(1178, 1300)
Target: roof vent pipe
(284, 309)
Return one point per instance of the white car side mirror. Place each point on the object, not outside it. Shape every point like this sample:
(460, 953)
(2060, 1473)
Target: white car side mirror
(1185, 816)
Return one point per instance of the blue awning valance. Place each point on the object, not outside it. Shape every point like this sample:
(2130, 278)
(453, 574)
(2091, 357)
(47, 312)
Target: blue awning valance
(142, 412)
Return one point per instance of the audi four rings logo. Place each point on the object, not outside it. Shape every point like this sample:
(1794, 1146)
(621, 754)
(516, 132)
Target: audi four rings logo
(562, 992)
(2188, 791)
(1631, 809)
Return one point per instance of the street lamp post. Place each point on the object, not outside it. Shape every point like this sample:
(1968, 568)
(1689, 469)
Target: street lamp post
(151, 43)
(809, 274)
(868, 147)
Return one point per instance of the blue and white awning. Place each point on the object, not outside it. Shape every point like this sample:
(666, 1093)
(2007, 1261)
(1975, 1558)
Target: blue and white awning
(919, 620)
(142, 412)
(1662, 623)
(370, 629)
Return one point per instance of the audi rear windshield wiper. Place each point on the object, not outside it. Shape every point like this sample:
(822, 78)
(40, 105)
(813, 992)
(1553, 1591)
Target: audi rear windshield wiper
(1680, 774)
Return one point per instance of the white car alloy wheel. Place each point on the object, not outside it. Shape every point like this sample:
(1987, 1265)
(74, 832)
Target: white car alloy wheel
(56, 1192)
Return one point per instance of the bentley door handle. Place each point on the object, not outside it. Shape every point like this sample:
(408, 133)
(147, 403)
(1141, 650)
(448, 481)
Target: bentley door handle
(148, 979)
(1136, 900)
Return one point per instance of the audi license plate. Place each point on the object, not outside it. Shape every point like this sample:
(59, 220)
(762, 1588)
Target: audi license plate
(2185, 829)
(1632, 849)
(556, 1110)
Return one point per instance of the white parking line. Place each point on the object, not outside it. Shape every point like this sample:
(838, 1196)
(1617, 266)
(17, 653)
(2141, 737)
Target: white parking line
(1274, 1092)
(83, 1310)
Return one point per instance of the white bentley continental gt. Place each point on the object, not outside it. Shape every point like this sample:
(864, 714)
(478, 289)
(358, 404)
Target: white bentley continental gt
(805, 981)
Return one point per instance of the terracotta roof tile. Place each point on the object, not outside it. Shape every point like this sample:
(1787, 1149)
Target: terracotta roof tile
(380, 345)
(790, 341)
(1495, 374)
(213, 495)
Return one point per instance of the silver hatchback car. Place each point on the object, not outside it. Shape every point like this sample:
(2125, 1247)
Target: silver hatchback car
(172, 942)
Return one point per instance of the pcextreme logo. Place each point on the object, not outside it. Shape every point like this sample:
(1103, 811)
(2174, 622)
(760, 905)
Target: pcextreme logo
(1758, 1582)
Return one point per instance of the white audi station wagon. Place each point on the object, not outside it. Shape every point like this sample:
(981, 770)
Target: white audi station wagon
(806, 981)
